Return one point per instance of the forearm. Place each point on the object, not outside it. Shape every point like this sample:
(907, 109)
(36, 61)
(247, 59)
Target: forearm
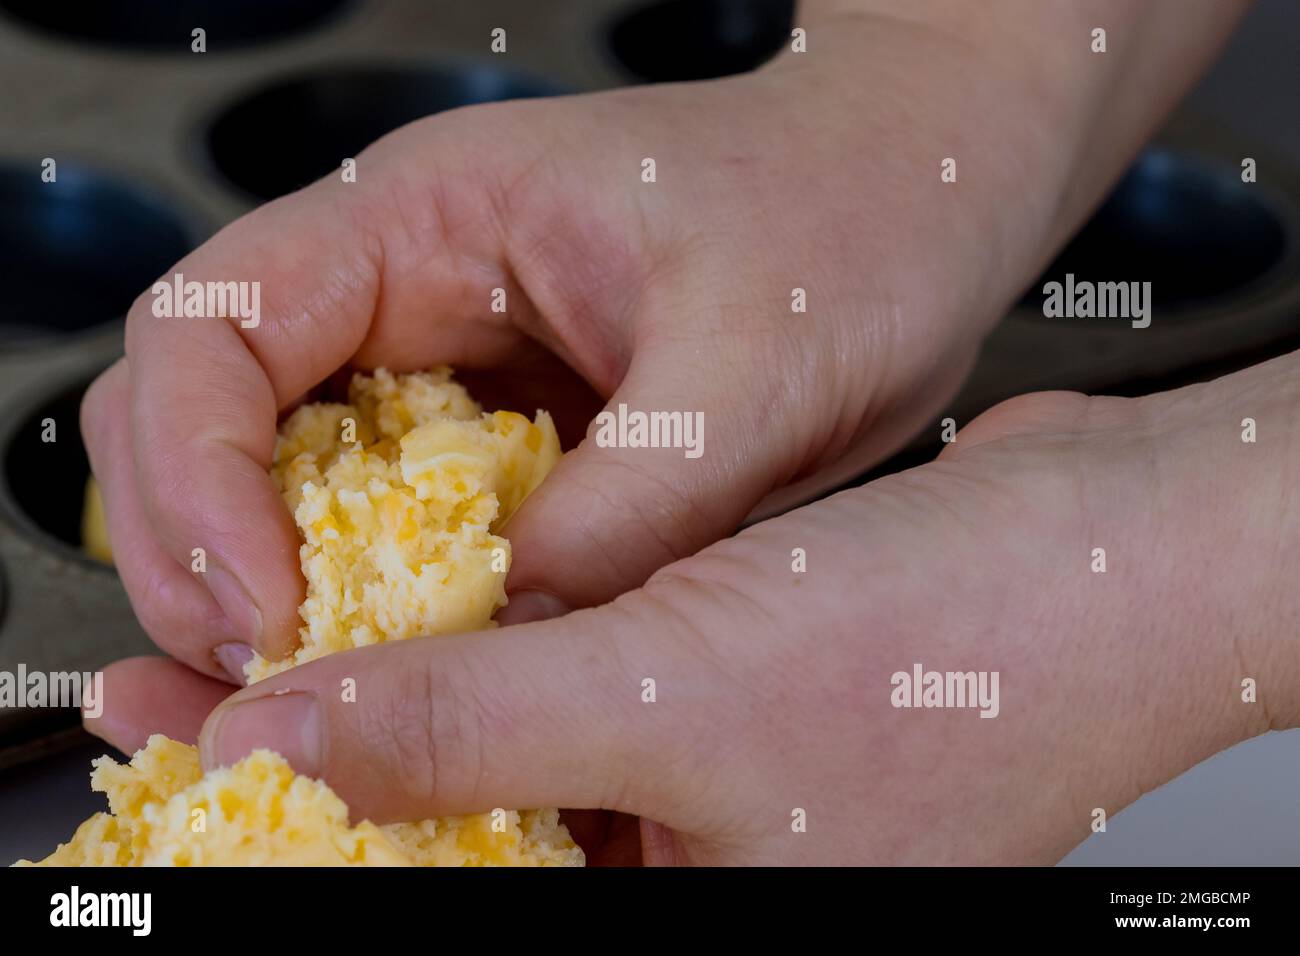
(1040, 126)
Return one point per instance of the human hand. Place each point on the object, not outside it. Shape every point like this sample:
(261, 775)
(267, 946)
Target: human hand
(773, 687)
(672, 296)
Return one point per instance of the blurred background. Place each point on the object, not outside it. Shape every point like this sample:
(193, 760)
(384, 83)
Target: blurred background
(157, 147)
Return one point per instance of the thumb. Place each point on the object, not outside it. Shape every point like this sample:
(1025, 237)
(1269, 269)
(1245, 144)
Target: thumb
(541, 715)
(615, 510)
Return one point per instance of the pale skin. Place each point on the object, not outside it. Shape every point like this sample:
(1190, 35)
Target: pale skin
(773, 686)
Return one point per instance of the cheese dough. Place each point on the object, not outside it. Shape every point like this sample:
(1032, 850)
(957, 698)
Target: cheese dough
(94, 529)
(398, 496)
(166, 812)
(398, 525)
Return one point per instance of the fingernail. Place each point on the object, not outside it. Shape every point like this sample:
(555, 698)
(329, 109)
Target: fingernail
(531, 605)
(289, 724)
(238, 607)
(232, 657)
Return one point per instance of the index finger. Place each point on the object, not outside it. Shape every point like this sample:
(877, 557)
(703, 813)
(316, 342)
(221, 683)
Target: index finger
(316, 276)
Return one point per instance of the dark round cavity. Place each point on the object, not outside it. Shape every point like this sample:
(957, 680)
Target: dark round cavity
(77, 251)
(1197, 233)
(47, 480)
(294, 131)
(676, 40)
(166, 25)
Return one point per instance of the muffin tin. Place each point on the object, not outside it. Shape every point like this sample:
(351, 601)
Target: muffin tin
(1223, 259)
(158, 146)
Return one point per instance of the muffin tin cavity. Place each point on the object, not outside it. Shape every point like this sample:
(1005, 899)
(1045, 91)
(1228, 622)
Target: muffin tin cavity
(1195, 231)
(293, 131)
(167, 24)
(676, 40)
(45, 481)
(77, 251)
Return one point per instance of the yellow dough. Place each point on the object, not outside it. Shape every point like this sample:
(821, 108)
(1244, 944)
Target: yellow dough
(397, 496)
(398, 526)
(94, 530)
(166, 812)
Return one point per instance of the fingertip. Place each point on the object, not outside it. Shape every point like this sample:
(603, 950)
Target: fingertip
(237, 537)
(152, 695)
(253, 571)
(232, 657)
(237, 605)
(107, 386)
(288, 722)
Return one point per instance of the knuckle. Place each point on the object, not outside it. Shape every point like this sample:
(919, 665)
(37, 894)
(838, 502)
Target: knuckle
(171, 478)
(154, 607)
(429, 733)
(655, 506)
(91, 404)
(98, 398)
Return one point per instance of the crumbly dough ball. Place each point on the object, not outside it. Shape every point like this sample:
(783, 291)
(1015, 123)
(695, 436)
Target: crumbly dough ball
(398, 496)
(398, 523)
(259, 813)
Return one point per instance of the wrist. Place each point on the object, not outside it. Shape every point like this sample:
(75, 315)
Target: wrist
(883, 102)
(1223, 512)
(1260, 551)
